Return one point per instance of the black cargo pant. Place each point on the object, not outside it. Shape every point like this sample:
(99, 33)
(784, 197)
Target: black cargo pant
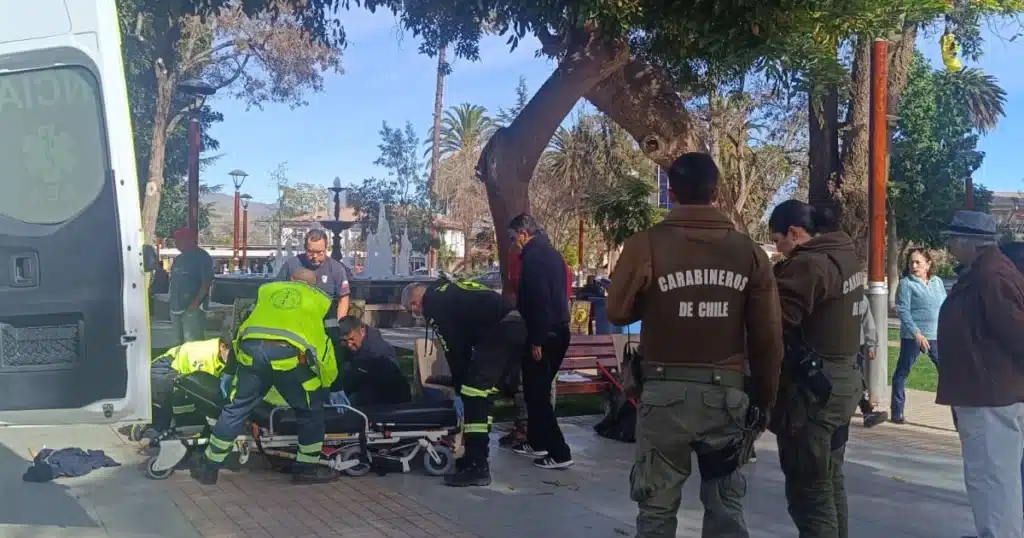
(253, 384)
(543, 432)
(498, 351)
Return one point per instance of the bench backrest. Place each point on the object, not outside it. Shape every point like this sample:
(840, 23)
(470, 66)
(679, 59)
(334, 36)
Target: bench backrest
(428, 360)
(587, 351)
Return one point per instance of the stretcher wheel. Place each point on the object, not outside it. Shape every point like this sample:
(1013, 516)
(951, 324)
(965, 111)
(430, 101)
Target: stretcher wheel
(136, 432)
(352, 453)
(154, 474)
(444, 464)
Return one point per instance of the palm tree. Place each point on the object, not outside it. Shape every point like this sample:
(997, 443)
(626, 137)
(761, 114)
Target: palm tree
(465, 127)
(981, 94)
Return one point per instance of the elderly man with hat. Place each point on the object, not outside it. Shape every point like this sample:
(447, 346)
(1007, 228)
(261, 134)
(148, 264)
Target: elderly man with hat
(189, 292)
(981, 375)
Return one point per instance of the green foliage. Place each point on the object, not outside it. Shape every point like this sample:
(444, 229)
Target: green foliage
(507, 115)
(465, 126)
(404, 191)
(623, 210)
(934, 151)
(174, 208)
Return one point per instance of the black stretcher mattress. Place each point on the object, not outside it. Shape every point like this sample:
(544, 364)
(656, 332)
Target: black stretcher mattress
(204, 390)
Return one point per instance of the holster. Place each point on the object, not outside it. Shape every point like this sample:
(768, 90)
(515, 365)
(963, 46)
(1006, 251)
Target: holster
(805, 367)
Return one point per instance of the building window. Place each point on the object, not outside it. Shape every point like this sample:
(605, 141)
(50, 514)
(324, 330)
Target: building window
(663, 200)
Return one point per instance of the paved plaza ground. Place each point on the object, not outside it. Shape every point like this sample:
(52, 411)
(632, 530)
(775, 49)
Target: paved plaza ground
(903, 481)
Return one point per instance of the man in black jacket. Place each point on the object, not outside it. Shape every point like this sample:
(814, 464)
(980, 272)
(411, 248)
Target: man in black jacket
(482, 339)
(371, 375)
(542, 301)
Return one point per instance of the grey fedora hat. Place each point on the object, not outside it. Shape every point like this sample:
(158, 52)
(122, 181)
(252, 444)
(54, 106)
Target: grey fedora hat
(972, 224)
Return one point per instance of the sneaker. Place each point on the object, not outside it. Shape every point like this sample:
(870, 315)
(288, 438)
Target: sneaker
(874, 418)
(524, 449)
(515, 436)
(471, 475)
(549, 462)
(752, 458)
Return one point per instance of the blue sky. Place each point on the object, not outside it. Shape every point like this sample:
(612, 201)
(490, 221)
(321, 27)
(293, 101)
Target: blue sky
(386, 79)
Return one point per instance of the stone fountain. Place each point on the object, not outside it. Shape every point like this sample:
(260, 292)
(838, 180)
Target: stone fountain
(378, 250)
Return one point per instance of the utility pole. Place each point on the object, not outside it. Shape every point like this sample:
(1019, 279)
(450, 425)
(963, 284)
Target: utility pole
(878, 291)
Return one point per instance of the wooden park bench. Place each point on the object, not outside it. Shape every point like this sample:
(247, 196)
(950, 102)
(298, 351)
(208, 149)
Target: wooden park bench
(594, 357)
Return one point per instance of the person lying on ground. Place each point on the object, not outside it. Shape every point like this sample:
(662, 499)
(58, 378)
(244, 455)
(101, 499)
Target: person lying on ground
(372, 375)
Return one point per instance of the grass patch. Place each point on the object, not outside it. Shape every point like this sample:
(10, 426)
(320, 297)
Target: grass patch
(923, 376)
(505, 410)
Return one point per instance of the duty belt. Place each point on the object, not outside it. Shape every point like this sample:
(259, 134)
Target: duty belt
(693, 374)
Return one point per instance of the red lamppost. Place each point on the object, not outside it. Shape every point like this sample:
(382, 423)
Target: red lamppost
(237, 177)
(198, 91)
(245, 229)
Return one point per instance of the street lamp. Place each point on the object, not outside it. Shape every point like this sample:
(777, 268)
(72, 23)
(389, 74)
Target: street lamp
(198, 91)
(245, 228)
(237, 178)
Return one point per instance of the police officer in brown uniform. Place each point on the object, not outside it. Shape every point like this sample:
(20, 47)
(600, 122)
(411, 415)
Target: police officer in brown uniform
(821, 284)
(709, 305)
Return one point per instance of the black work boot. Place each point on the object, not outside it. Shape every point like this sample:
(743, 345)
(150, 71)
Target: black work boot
(874, 418)
(309, 473)
(472, 474)
(204, 471)
(460, 464)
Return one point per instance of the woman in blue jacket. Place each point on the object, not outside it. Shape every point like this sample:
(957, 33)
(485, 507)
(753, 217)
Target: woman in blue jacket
(918, 298)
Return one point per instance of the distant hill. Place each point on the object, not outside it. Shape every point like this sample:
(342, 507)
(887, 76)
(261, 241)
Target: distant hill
(222, 217)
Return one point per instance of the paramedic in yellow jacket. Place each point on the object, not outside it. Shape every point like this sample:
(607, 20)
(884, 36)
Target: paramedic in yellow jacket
(281, 345)
(168, 406)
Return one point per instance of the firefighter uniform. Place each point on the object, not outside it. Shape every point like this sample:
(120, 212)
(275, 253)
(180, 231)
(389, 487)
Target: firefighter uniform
(483, 340)
(709, 306)
(821, 287)
(281, 345)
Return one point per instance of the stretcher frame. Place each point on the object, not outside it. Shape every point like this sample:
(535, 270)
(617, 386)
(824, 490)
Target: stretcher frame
(350, 453)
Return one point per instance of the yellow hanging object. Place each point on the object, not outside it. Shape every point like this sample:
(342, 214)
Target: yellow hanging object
(951, 52)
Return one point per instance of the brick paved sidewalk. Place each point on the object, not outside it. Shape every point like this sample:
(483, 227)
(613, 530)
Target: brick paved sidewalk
(258, 503)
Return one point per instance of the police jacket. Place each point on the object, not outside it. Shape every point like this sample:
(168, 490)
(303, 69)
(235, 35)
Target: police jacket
(293, 312)
(373, 369)
(706, 295)
(460, 313)
(821, 287)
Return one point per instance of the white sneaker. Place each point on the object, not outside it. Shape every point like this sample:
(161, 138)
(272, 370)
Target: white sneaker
(524, 449)
(551, 463)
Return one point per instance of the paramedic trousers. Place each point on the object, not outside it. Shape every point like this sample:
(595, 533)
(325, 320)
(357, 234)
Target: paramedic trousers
(253, 382)
(493, 358)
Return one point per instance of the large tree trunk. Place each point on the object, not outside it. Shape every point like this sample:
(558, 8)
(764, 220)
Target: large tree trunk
(893, 248)
(508, 160)
(157, 152)
(644, 101)
(823, 147)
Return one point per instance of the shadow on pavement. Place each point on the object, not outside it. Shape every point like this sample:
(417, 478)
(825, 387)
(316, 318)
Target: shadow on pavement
(46, 504)
(893, 492)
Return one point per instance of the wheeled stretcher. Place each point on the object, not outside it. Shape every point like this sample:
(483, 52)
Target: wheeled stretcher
(382, 438)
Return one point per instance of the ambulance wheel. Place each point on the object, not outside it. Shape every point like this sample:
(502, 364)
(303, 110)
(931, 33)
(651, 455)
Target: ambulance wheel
(352, 453)
(444, 464)
(153, 473)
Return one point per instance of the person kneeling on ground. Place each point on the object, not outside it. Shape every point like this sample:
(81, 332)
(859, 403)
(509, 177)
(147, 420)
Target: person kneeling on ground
(282, 345)
(372, 375)
(199, 356)
(483, 339)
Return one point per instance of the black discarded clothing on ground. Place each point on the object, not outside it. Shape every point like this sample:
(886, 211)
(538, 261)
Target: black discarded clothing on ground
(619, 422)
(541, 298)
(49, 464)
